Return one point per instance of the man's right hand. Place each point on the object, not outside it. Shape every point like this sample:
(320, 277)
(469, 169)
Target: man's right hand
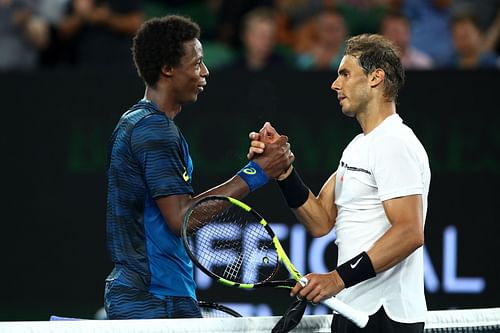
(258, 141)
(270, 150)
(263, 143)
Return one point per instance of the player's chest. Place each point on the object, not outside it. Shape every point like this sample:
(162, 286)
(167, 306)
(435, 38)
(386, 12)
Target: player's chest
(355, 179)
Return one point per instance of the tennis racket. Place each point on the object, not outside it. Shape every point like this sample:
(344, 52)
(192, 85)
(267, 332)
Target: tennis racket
(216, 310)
(233, 244)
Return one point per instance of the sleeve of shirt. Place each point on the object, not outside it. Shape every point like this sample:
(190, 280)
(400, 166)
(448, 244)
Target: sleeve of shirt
(156, 145)
(396, 169)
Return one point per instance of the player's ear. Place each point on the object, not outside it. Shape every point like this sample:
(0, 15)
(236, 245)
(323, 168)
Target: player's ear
(167, 70)
(377, 77)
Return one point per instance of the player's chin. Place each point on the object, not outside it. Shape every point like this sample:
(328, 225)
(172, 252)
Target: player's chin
(348, 112)
(193, 98)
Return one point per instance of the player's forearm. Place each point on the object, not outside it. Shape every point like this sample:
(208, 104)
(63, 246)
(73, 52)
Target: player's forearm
(317, 214)
(405, 235)
(395, 245)
(315, 218)
(235, 187)
(175, 207)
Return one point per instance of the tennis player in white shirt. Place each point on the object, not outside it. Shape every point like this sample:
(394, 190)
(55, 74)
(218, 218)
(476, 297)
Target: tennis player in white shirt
(376, 199)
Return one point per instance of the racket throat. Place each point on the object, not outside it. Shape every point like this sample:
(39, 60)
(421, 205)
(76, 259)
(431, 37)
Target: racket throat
(286, 284)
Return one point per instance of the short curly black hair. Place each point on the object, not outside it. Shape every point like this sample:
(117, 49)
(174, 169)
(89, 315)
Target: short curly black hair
(159, 42)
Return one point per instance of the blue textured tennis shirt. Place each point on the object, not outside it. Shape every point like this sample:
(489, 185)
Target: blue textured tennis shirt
(149, 158)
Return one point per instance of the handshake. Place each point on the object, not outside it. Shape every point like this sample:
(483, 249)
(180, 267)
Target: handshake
(271, 152)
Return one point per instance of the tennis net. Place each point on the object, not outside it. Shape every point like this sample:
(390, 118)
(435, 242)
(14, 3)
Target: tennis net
(447, 321)
(463, 321)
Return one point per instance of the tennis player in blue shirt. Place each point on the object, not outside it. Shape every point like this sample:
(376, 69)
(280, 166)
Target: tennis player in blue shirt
(149, 178)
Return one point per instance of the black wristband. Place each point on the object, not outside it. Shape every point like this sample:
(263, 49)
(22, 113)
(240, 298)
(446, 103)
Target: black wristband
(294, 190)
(356, 270)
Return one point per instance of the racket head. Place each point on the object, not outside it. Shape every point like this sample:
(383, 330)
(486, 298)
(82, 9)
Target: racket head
(216, 310)
(230, 242)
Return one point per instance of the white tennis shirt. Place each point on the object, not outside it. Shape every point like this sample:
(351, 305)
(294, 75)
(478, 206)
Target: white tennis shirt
(386, 163)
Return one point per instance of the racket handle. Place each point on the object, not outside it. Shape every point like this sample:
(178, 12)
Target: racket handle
(357, 317)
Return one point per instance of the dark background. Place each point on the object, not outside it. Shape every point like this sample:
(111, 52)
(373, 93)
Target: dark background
(55, 128)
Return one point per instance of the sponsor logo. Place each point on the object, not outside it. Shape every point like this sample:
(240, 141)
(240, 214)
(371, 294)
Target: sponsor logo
(351, 168)
(353, 266)
(250, 171)
(185, 175)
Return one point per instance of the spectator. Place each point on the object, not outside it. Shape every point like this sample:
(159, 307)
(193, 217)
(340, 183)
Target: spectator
(429, 21)
(396, 28)
(259, 42)
(101, 31)
(229, 17)
(484, 10)
(362, 16)
(290, 14)
(327, 44)
(204, 12)
(487, 13)
(469, 44)
(23, 33)
(56, 51)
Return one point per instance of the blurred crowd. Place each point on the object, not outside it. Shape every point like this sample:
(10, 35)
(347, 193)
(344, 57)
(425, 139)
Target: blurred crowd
(256, 35)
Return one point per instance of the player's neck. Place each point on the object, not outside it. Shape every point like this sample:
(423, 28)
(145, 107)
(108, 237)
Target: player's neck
(164, 101)
(374, 115)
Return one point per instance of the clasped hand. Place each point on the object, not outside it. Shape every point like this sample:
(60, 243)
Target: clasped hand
(271, 151)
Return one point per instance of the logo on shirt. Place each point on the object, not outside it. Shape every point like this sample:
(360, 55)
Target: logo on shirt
(185, 175)
(351, 168)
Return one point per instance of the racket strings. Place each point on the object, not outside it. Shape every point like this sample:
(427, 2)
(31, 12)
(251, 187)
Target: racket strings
(233, 269)
(231, 243)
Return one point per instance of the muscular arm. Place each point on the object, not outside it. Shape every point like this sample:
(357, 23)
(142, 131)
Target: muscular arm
(405, 235)
(276, 159)
(174, 207)
(318, 214)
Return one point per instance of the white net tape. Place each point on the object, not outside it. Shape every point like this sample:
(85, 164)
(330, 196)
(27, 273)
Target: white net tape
(441, 321)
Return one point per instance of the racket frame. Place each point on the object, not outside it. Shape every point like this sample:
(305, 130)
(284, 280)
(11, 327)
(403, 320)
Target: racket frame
(358, 317)
(215, 307)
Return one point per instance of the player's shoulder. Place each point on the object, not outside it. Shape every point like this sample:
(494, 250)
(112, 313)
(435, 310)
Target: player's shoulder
(392, 130)
(397, 141)
(139, 113)
(397, 137)
(154, 119)
(155, 127)
(142, 116)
